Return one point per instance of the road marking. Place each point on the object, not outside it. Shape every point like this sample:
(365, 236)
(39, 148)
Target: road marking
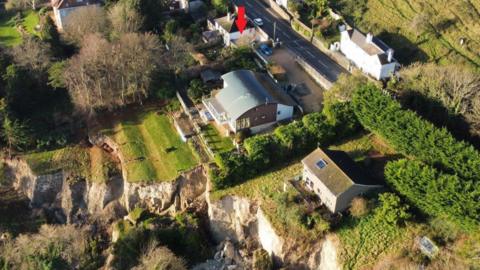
(310, 53)
(267, 19)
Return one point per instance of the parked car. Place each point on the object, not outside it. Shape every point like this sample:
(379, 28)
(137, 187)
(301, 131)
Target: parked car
(258, 21)
(265, 49)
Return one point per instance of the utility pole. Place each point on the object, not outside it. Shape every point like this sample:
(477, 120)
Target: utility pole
(274, 30)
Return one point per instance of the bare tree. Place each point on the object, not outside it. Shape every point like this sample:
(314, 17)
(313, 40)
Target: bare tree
(84, 21)
(112, 74)
(23, 4)
(158, 257)
(32, 54)
(179, 56)
(125, 18)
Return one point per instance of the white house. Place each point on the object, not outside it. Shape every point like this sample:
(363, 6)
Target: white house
(249, 100)
(335, 178)
(368, 53)
(230, 33)
(62, 8)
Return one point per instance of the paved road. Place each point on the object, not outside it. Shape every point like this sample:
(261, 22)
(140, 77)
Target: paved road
(289, 38)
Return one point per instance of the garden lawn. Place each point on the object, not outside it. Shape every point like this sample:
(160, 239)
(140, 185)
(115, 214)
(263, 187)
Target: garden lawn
(217, 143)
(9, 35)
(152, 149)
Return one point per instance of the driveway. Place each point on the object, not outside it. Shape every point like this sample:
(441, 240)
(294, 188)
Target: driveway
(293, 41)
(308, 92)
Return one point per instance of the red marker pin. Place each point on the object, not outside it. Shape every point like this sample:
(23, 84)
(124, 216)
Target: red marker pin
(241, 21)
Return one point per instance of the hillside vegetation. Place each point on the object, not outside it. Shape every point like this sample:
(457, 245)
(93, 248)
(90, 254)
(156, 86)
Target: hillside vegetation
(421, 30)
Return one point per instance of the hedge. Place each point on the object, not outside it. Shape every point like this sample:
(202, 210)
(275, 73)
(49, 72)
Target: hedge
(413, 136)
(434, 192)
(264, 151)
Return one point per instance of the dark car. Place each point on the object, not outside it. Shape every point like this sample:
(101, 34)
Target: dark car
(265, 49)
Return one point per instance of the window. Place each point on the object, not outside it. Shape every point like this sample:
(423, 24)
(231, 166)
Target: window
(321, 164)
(279, 112)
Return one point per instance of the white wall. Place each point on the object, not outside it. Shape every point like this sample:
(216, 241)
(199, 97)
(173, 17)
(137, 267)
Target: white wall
(284, 112)
(283, 3)
(367, 63)
(325, 195)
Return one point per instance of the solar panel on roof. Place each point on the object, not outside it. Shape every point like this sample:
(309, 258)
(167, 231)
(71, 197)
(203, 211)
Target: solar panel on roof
(321, 164)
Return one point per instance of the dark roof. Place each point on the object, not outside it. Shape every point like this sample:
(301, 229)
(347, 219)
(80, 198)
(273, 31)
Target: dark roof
(229, 24)
(209, 75)
(73, 3)
(374, 47)
(339, 173)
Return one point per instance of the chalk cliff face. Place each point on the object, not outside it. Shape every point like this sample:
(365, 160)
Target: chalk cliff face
(244, 222)
(232, 219)
(76, 200)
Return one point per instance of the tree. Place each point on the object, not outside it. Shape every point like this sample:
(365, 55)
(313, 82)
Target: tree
(15, 134)
(108, 75)
(84, 21)
(178, 56)
(125, 18)
(32, 54)
(196, 90)
(391, 209)
(23, 4)
(221, 6)
(55, 75)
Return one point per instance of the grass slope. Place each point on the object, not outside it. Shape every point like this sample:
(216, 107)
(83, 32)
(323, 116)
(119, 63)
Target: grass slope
(9, 35)
(75, 160)
(151, 147)
(217, 143)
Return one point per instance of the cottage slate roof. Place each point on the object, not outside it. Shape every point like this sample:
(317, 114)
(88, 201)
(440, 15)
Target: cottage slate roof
(229, 24)
(376, 47)
(72, 3)
(245, 89)
(340, 172)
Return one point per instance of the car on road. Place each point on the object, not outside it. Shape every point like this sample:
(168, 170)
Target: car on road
(258, 21)
(265, 49)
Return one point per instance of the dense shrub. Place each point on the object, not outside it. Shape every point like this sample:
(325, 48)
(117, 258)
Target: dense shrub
(433, 192)
(262, 260)
(342, 116)
(413, 136)
(392, 210)
(320, 129)
(264, 151)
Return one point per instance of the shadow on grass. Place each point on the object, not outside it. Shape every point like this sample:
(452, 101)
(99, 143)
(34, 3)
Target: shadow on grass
(406, 52)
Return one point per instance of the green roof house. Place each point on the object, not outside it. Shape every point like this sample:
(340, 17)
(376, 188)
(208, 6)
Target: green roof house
(249, 100)
(335, 178)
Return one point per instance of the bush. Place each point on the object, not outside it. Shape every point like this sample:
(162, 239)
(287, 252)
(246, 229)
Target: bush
(392, 210)
(196, 90)
(413, 136)
(263, 150)
(342, 116)
(295, 137)
(435, 193)
(262, 260)
(158, 257)
(318, 126)
(359, 207)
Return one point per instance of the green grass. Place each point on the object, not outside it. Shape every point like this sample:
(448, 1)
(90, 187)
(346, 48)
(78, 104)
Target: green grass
(217, 142)
(451, 21)
(151, 147)
(102, 165)
(9, 35)
(75, 160)
(365, 240)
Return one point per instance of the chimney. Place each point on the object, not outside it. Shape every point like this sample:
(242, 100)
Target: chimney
(369, 37)
(390, 55)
